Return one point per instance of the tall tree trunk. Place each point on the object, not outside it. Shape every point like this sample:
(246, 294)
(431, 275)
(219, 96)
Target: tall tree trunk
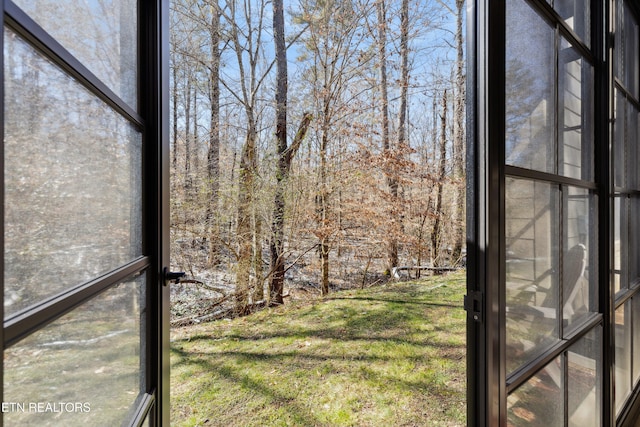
(187, 131)
(404, 72)
(258, 270)
(189, 219)
(436, 235)
(174, 159)
(459, 138)
(392, 182)
(404, 95)
(249, 219)
(213, 153)
(276, 245)
(195, 147)
(244, 230)
(323, 208)
(382, 65)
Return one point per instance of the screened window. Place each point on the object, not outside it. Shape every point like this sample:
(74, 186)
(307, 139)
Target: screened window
(552, 334)
(626, 203)
(556, 214)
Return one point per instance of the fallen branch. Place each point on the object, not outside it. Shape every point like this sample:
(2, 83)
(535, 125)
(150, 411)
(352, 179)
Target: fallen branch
(201, 284)
(217, 315)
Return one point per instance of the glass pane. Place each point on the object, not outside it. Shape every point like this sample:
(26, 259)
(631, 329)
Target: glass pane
(622, 355)
(584, 380)
(578, 277)
(529, 91)
(72, 181)
(619, 156)
(617, 233)
(631, 130)
(620, 241)
(532, 242)
(540, 401)
(102, 34)
(635, 304)
(634, 240)
(577, 15)
(93, 353)
(619, 41)
(630, 34)
(575, 136)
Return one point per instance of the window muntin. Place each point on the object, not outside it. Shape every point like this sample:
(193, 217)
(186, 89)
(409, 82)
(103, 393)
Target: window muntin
(90, 356)
(102, 34)
(73, 181)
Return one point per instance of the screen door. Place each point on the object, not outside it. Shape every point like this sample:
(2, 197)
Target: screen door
(85, 335)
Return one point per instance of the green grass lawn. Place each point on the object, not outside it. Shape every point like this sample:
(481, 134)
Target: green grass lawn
(385, 356)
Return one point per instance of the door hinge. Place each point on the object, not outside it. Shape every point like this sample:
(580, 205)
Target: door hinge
(474, 304)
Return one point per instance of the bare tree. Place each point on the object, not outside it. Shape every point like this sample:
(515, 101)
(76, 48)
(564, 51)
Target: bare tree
(458, 159)
(213, 152)
(247, 45)
(276, 283)
(285, 155)
(332, 39)
(392, 180)
(459, 136)
(436, 234)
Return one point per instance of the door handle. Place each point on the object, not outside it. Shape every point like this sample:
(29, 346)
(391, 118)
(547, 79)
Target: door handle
(172, 276)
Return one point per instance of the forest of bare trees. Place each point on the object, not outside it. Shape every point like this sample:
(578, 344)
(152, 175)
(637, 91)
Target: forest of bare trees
(315, 143)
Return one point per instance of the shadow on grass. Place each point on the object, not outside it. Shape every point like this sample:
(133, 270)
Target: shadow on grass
(300, 414)
(245, 356)
(395, 301)
(329, 335)
(374, 326)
